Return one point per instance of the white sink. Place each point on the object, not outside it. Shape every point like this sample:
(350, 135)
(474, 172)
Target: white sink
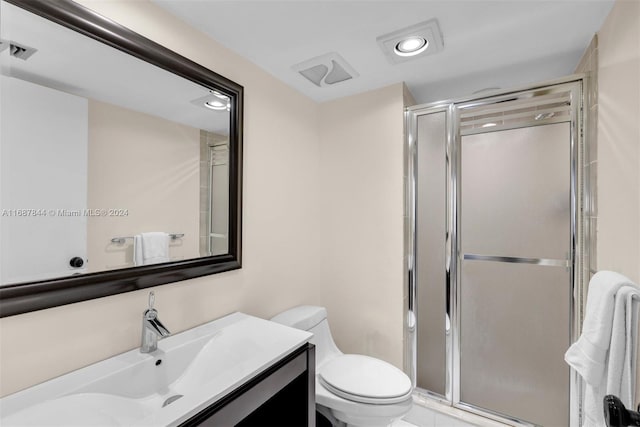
(187, 373)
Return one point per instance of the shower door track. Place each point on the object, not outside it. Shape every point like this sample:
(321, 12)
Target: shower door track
(574, 263)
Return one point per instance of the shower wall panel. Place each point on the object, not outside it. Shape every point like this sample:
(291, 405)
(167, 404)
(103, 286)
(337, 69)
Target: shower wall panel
(430, 252)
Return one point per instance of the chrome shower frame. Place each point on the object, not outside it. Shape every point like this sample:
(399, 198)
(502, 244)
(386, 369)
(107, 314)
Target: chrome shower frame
(580, 266)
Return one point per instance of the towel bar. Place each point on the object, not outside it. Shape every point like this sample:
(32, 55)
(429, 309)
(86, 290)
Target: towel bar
(121, 240)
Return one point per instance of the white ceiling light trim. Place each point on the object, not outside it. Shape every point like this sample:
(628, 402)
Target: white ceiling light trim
(422, 39)
(213, 101)
(411, 46)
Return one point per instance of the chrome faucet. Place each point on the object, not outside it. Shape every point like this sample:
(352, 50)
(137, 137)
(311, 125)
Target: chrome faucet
(152, 328)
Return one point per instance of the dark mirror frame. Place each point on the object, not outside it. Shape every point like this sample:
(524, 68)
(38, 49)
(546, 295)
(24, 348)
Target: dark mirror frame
(32, 296)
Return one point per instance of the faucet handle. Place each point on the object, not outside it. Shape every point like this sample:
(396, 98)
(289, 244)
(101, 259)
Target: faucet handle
(151, 313)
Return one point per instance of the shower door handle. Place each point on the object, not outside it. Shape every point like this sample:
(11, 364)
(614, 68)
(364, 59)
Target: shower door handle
(518, 260)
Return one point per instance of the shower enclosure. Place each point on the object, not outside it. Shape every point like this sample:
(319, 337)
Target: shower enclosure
(495, 195)
(218, 209)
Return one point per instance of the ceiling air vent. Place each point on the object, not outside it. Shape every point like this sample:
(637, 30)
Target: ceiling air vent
(19, 51)
(326, 70)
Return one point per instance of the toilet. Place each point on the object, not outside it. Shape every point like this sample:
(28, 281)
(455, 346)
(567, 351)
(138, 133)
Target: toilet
(351, 389)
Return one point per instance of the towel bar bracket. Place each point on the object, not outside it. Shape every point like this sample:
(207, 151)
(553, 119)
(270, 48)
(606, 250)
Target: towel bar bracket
(122, 240)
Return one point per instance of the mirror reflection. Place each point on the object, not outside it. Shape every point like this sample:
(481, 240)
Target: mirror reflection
(106, 161)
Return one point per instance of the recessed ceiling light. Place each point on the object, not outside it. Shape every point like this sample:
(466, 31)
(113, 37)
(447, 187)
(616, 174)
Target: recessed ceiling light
(411, 46)
(219, 95)
(216, 105)
(410, 43)
(488, 125)
(213, 101)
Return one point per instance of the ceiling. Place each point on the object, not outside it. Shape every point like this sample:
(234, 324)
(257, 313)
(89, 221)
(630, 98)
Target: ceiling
(487, 44)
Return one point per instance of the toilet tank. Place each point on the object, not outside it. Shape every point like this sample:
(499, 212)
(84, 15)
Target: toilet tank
(312, 319)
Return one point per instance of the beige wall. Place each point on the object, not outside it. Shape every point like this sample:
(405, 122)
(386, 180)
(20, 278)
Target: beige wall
(299, 185)
(362, 221)
(133, 154)
(315, 231)
(280, 249)
(619, 141)
(612, 63)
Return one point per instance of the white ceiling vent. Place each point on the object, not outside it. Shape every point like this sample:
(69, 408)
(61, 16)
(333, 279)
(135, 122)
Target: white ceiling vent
(425, 36)
(17, 50)
(326, 70)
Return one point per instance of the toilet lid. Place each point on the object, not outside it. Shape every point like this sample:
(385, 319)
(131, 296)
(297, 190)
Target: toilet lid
(365, 379)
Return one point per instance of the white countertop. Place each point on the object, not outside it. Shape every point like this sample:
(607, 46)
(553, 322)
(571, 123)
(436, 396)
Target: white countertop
(202, 364)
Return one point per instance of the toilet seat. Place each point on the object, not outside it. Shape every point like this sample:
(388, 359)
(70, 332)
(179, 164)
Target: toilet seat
(365, 379)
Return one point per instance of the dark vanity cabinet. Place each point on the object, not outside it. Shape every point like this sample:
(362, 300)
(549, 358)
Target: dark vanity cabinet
(282, 395)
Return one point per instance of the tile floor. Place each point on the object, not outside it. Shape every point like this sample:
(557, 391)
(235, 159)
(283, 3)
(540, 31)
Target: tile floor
(431, 414)
(425, 417)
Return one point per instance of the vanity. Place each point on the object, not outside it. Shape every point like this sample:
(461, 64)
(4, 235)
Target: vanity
(238, 370)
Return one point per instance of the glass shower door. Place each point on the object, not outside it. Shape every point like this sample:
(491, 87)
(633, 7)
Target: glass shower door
(495, 260)
(514, 277)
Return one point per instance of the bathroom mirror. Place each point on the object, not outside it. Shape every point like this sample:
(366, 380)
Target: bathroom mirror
(106, 139)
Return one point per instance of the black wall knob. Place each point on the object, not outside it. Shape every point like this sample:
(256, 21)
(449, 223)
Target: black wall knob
(76, 262)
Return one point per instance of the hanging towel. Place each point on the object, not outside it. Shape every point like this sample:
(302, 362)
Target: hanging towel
(150, 248)
(137, 250)
(621, 374)
(589, 355)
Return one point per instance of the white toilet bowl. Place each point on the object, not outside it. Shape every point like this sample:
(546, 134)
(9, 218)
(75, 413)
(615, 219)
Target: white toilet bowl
(351, 389)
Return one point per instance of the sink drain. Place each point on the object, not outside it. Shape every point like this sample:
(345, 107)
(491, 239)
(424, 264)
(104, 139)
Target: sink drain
(171, 399)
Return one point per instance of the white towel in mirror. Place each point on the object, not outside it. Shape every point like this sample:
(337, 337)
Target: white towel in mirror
(151, 248)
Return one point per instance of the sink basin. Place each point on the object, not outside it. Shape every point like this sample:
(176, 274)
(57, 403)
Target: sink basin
(187, 373)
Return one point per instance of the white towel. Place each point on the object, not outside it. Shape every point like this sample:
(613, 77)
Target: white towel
(589, 355)
(621, 374)
(150, 248)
